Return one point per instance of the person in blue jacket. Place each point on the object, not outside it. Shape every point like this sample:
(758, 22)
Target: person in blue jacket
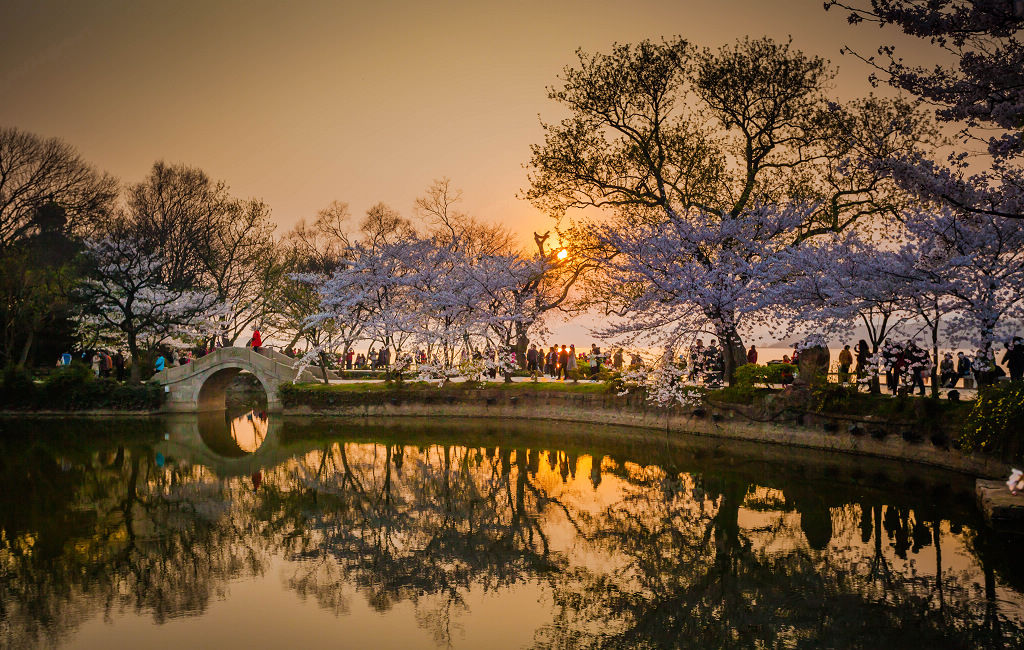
(160, 362)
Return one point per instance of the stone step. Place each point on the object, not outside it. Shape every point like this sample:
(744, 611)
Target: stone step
(1001, 508)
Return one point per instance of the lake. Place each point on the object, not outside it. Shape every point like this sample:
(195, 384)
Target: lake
(243, 531)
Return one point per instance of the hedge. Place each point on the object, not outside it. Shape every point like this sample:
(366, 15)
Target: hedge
(74, 388)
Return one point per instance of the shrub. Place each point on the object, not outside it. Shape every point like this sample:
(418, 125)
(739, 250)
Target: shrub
(17, 390)
(831, 398)
(995, 424)
(751, 374)
(75, 388)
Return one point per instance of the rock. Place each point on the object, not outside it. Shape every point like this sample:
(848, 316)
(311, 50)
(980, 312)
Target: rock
(813, 364)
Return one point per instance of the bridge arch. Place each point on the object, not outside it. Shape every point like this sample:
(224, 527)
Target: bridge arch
(186, 440)
(199, 386)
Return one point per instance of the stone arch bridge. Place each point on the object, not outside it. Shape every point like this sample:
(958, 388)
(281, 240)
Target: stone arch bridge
(200, 385)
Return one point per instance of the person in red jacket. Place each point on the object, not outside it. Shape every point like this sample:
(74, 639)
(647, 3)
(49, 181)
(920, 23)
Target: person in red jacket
(257, 340)
(752, 355)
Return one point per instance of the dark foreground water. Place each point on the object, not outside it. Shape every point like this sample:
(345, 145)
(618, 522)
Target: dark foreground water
(295, 533)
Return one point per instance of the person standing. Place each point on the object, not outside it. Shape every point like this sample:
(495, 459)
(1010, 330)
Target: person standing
(595, 365)
(845, 361)
(563, 363)
(572, 363)
(1014, 358)
(257, 339)
(617, 359)
(918, 362)
(531, 358)
(119, 365)
(863, 354)
(696, 359)
(752, 354)
(160, 363)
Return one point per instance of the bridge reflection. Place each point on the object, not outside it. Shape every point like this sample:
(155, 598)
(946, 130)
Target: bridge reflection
(227, 444)
(232, 435)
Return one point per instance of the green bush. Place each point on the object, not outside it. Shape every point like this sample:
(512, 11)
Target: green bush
(831, 398)
(75, 388)
(751, 374)
(995, 424)
(17, 390)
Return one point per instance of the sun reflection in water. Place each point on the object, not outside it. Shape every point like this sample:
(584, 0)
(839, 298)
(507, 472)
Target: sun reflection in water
(249, 430)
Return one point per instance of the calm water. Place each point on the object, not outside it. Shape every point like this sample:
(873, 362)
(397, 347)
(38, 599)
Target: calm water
(257, 533)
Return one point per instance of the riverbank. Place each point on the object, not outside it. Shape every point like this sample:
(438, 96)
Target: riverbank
(903, 429)
(888, 436)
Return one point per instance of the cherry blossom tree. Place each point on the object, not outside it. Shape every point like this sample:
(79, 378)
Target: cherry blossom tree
(127, 291)
(976, 262)
(981, 93)
(659, 134)
(680, 274)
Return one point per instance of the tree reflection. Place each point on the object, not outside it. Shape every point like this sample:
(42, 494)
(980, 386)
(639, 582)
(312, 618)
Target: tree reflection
(110, 532)
(697, 549)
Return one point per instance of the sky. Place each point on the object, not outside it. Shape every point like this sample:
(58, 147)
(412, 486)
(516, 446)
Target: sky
(301, 103)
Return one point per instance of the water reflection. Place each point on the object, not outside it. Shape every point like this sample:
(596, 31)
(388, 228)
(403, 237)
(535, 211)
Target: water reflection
(232, 435)
(623, 542)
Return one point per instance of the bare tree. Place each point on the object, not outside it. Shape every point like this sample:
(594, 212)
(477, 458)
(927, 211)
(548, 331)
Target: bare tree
(35, 172)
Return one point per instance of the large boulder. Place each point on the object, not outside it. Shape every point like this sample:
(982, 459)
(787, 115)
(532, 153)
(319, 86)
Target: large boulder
(813, 364)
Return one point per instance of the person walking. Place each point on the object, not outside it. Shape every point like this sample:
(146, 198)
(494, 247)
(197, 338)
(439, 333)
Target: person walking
(531, 358)
(160, 363)
(257, 339)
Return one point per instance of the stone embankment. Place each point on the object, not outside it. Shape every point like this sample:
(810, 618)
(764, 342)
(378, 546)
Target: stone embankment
(863, 435)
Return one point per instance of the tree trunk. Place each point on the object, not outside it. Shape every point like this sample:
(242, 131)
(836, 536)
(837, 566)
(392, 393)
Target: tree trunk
(935, 359)
(734, 354)
(135, 376)
(875, 385)
(323, 366)
(522, 342)
(28, 346)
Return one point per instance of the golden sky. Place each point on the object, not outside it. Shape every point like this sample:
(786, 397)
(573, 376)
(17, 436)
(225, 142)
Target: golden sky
(303, 102)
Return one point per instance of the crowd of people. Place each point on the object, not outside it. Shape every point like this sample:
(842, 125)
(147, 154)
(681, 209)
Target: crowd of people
(902, 364)
(566, 363)
(908, 364)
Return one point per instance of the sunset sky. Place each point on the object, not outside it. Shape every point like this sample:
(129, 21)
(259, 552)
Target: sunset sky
(302, 103)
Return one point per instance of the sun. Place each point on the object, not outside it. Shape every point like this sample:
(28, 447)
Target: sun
(562, 254)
